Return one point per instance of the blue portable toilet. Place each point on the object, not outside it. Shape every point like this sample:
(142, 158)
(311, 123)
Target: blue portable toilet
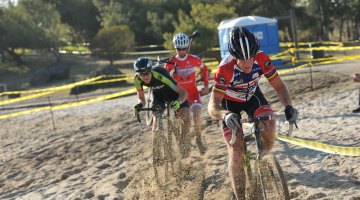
(265, 29)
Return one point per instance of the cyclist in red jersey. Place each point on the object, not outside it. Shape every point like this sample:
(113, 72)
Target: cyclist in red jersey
(236, 89)
(184, 72)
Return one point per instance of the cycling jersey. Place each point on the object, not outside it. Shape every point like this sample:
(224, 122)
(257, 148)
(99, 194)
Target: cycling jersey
(255, 106)
(162, 84)
(185, 74)
(238, 86)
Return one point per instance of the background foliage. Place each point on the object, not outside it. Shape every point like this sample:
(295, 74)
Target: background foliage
(46, 25)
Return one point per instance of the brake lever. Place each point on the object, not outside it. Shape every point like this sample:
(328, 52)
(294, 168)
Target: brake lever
(233, 136)
(137, 114)
(296, 126)
(291, 128)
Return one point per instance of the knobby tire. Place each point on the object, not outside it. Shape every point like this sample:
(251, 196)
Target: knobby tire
(166, 154)
(160, 160)
(271, 180)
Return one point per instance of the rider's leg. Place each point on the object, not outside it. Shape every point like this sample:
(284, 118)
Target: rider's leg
(236, 162)
(268, 129)
(196, 109)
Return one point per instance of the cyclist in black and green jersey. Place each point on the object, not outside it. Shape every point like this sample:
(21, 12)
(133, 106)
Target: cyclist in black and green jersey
(164, 89)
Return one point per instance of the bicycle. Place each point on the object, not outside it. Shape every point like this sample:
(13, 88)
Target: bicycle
(264, 176)
(166, 145)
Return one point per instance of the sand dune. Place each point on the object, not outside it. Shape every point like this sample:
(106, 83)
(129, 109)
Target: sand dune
(99, 151)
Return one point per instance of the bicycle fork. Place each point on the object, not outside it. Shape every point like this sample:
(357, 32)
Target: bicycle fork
(260, 154)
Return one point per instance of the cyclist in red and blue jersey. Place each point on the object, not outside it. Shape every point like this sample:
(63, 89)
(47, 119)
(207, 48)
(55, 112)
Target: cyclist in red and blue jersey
(236, 89)
(164, 89)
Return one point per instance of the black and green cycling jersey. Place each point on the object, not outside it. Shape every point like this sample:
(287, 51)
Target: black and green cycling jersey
(162, 84)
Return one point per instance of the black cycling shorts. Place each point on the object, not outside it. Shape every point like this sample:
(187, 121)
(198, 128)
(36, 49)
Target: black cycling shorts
(256, 101)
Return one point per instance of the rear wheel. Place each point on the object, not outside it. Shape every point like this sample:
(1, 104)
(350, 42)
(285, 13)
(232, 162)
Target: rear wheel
(271, 179)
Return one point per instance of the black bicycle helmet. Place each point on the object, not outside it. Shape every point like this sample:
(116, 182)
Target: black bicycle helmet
(142, 64)
(243, 44)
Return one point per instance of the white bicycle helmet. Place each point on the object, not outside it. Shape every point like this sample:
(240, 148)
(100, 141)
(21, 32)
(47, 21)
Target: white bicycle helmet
(181, 41)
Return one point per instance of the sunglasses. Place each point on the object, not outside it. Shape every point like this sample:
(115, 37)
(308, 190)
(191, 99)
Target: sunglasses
(142, 74)
(181, 49)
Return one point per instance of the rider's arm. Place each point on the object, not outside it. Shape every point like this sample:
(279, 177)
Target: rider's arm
(141, 96)
(204, 74)
(282, 91)
(217, 95)
(214, 108)
(182, 93)
(139, 90)
(169, 67)
(273, 77)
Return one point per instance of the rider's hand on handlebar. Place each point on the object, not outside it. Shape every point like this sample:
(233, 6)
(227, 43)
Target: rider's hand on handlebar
(175, 105)
(232, 120)
(291, 113)
(137, 107)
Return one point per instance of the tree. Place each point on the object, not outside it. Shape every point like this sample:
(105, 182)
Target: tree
(81, 16)
(32, 25)
(110, 42)
(206, 22)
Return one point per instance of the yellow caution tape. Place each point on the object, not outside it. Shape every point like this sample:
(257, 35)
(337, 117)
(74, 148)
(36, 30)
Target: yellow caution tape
(63, 87)
(25, 98)
(109, 81)
(326, 48)
(68, 105)
(288, 44)
(286, 71)
(118, 76)
(316, 59)
(341, 150)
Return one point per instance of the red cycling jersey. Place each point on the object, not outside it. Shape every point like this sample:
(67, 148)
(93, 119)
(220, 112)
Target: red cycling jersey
(238, 86)
(185, 74)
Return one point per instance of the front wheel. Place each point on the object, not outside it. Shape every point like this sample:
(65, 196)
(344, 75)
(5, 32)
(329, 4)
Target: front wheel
(160, 158)
(271, 179)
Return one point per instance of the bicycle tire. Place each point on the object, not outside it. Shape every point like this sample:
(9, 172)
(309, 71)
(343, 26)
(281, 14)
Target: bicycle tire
(251, 188)
(160, 158)
(148, 115)
(174, 148)
(271, 179)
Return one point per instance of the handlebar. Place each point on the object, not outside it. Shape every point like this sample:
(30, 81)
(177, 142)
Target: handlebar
(153, 109)
(263, 118)
(165, 60)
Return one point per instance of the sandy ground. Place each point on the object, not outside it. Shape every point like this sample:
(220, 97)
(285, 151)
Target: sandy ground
(99, 151)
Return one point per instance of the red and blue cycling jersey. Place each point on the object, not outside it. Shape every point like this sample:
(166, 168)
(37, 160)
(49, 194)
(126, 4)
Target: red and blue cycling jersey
(238, 86)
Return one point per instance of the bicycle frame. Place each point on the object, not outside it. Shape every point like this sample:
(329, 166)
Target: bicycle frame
(267, 172)
(164, 155)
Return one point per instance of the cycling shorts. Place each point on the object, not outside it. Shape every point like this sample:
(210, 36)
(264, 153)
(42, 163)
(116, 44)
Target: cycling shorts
(254, 107)
(193, 97)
